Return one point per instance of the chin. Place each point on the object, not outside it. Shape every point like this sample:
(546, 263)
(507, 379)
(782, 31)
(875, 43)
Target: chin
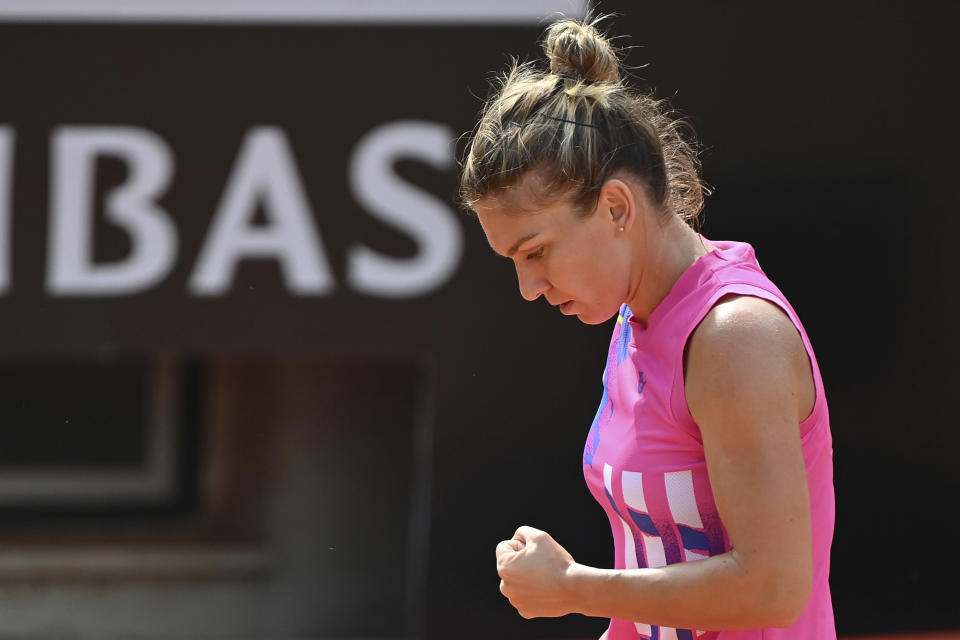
(596, 318)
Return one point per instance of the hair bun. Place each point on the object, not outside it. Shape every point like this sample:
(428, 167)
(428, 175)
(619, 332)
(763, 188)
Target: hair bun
(580, 49)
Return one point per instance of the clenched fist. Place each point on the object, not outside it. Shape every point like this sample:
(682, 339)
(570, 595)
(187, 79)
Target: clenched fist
(534, 574)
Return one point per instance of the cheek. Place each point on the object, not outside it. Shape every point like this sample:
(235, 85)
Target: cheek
(610, 283)
(611, 277)
(592, 272)
(604, 263)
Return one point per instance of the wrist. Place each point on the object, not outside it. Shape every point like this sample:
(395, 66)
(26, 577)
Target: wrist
(580, 582)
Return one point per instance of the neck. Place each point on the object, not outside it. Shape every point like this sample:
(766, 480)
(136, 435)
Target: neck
(662, 255)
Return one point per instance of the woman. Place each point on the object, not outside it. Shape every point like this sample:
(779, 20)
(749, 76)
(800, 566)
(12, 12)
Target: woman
(711, 451)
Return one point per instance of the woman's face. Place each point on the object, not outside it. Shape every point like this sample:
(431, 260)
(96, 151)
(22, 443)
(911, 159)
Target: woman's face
(580, 265)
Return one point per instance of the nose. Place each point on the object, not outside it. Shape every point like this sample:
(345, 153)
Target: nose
(531, 285)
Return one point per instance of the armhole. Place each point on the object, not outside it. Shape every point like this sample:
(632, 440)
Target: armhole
(679, 407)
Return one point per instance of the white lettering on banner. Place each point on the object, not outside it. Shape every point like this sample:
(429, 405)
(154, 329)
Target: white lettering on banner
(6, 196)
(265, 177)
(132, 206)
(431, 224)
(265, 172)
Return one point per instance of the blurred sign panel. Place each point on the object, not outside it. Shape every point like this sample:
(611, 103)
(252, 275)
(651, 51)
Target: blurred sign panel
(307, 518)
(368, 11)
(84, 437)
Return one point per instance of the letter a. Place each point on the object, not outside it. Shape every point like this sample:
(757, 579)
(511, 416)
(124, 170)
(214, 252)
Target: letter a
(264, 171)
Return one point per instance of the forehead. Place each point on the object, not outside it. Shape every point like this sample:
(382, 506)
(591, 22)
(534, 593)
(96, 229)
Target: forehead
(505, 224)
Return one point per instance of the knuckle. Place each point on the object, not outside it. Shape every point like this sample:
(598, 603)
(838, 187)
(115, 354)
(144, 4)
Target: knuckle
(526, 531)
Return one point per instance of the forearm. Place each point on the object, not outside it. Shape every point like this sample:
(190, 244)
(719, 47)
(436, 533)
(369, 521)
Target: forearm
(719, 592)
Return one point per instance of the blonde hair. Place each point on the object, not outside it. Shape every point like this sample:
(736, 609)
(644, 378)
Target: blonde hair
(575, 126)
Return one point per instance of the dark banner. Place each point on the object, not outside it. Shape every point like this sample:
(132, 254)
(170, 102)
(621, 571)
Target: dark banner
(225, 186)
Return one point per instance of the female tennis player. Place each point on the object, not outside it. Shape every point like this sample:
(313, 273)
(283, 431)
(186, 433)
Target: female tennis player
(711, 451)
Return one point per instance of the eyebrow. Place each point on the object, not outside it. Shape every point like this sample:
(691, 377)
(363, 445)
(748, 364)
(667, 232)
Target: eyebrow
(516, 245)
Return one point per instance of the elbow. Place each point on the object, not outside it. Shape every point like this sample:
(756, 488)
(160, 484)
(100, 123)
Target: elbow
(784, 597)
(786, 613)
(775, 592)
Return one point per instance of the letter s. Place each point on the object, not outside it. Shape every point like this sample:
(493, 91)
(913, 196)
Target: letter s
(422, 216)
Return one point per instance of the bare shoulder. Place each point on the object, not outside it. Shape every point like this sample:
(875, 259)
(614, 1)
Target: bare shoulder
(747, 349)
(740, 321)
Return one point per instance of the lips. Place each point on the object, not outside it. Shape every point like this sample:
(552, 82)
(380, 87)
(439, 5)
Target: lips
(565, 307)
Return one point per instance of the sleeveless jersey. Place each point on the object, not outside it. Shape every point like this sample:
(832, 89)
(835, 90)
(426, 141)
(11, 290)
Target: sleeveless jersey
(644, 460)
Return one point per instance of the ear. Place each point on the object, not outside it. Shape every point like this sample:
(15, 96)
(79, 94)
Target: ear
(618, 204)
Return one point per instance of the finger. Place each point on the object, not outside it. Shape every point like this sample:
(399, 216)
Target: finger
(525, 533)
(507, 548)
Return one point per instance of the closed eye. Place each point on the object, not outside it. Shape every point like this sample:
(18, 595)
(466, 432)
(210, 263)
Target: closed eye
(535, 254)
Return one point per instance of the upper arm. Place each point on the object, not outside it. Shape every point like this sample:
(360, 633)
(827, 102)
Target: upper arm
(747, 382)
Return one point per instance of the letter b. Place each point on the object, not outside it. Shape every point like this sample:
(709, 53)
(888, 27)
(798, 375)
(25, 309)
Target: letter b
(131, 206)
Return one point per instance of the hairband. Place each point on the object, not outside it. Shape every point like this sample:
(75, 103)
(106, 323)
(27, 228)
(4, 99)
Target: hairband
(514, 123)
(582, 124)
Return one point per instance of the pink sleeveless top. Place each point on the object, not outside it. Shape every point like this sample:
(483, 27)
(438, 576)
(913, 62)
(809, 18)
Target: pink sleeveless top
(644, 461)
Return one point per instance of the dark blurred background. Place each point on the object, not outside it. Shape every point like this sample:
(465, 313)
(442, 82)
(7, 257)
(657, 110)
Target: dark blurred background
(261, 378)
